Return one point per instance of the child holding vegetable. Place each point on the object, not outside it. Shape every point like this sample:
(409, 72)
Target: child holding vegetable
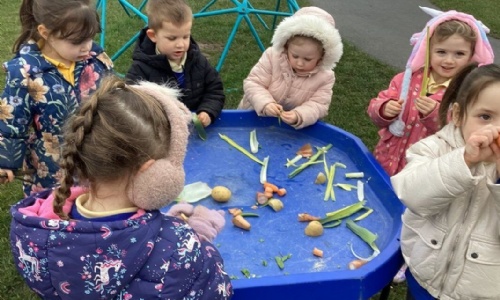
(407, 111)
(106, 239)
(293, 79)
(451, 187)
(166, 53)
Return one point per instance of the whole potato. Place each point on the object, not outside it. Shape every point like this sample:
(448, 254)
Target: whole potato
(221, 194)
(314, 228)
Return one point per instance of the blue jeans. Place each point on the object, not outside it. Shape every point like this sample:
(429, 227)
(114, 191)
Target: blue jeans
(415, 291)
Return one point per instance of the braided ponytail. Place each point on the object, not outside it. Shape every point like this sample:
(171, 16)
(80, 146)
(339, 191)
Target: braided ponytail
(111, 135)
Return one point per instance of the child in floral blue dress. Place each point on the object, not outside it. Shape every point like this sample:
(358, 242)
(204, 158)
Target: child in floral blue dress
(55, 68)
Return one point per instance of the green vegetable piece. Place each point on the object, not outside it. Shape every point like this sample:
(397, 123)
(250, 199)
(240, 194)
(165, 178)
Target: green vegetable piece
(241, 149)
(200, 129)
(245, 272)
(333, 224)
(264, 263)
(343, 212)
(366, 235)
(279, 261)
(312, 160)
(366, 214)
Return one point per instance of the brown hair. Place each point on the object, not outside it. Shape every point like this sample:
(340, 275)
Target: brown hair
(465, 88)
(451, 27)
(177, 12)
(299, 40)
(116, 131)
(75, 20)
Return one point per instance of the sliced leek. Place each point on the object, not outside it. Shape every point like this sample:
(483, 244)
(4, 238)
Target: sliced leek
(263, 170)
(241, 149)
(367, 236)
(254, 143)
(312, 160)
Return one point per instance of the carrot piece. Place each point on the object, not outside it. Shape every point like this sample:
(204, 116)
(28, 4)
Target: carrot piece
(317, 252)
(281, 192)
(357, 263)
(240, 222)
(235, 211)
(268, 191)
(273, 187)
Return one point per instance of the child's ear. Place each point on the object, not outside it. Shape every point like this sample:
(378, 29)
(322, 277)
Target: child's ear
(43, 31)
(151, 35)
(455, 113)
(146, 165)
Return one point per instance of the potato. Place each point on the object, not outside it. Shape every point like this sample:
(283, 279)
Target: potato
(314, 228)
(221, 194)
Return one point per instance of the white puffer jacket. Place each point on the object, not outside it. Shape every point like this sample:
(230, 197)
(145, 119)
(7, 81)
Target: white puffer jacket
(451, 227)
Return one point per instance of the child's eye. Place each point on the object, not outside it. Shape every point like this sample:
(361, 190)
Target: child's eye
(170, 38)
(460, 54)
(441, 52)
(485, 117)
(307, 59)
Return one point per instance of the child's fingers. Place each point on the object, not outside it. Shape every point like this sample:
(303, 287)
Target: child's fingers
(6, 176)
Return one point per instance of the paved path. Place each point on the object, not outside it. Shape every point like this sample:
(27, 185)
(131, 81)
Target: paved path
(383, 28)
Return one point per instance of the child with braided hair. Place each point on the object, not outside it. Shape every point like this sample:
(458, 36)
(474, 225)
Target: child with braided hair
(106, 238)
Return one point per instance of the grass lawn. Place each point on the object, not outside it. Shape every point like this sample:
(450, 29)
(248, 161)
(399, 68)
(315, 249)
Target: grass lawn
(359, 78)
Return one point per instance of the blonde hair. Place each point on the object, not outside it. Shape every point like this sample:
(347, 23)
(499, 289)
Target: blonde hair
(177, 12)
(117, 130)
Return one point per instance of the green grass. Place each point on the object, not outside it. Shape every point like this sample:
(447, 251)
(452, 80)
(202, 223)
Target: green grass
(359, 78)
(484, 10)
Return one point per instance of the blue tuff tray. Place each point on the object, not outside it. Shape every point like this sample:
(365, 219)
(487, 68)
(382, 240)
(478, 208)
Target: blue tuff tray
(304, 276)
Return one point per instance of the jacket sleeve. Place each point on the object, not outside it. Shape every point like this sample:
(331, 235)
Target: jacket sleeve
(136, 73)
(15, 118)
(317, 106)
(430, 181)
(376, 104)
(431, 121)
(256, 85)
(213, 98)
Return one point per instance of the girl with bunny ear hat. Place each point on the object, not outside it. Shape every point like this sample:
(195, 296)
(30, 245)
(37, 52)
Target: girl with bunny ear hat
(408, 110)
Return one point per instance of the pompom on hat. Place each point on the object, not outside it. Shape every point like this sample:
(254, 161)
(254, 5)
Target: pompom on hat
(483, 53)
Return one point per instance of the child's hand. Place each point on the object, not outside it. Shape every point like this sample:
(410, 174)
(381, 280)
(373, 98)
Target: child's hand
(392, 108)
(204, 119)
(6, 176)
(481, 145)
(289, 117)
(425, 105)
(273, 109)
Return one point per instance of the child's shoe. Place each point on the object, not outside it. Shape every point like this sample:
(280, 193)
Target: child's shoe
(400, 276)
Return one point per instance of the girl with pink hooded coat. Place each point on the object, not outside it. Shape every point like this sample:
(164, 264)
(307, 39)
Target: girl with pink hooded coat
(403, 116)
(293, 79)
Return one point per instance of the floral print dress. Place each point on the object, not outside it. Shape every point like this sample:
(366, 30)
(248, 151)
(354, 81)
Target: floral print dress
(34, 106)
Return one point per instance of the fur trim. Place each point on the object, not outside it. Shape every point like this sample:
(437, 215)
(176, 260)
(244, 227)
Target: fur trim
(316, 23)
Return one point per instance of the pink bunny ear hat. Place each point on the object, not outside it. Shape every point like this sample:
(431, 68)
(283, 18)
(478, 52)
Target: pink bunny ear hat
(483, 53)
